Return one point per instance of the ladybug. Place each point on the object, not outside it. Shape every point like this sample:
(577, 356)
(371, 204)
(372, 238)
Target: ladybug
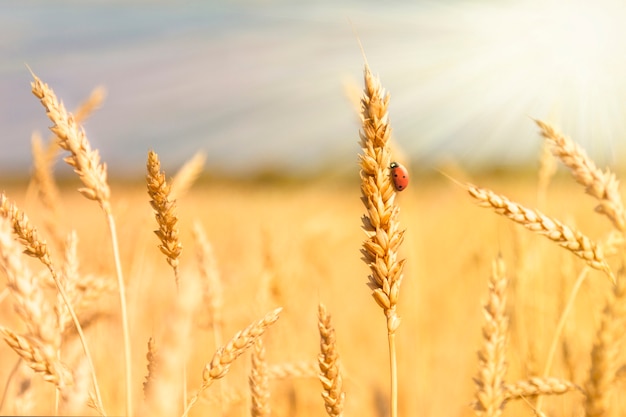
(399, 175)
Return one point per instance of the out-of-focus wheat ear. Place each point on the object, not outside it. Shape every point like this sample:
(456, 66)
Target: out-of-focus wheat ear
(547, 169)
(187, 175)
(165, 396)
(567, 237)
(43, 181)
(289, 370)
(41, 358)
(328, 359)
(259, 382)
(227, 354)
(153, 363)
(72, 138)
(606, 347)
(490, 391)
(212, 292)
(538, 386)
(77, 398)
(604, 186)
(164, 210)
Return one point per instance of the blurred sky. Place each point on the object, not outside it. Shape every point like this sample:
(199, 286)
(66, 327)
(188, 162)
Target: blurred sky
(263, 83)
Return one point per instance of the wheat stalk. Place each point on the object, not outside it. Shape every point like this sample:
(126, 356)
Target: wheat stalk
(259, 382)
(490, 392)
(164, 210)
(93, 174)
(604, 186)
(227, 354)
(384, 237)
(569, 238)
(328, 359)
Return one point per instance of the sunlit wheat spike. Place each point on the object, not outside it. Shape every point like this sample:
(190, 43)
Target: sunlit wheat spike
(302, 369)
(538, 386)
(164, 211)
(328, 359)
(259, 382)
(72, 138)
(569, 238)
(604, 186)
(380, 223)
(490, 392)
(606, 347)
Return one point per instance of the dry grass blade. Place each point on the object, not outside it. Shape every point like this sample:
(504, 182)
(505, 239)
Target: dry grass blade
(490, 392)
(227, 354)
(604, 186)
(330, 376)
(538, 386)
(606, 348)
(571, 239)
(164, 211)
(84, 160)
(259, 382)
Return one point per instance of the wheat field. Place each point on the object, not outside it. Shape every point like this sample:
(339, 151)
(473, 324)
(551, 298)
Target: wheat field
(253, 297)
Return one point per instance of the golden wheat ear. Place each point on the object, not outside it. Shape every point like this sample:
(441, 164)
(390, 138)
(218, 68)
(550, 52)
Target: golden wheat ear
(328, 359)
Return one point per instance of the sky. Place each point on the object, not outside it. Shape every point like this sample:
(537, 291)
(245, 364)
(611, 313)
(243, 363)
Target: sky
(267, 84)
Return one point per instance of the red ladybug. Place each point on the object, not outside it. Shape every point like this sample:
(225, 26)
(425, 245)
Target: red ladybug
(399, 175)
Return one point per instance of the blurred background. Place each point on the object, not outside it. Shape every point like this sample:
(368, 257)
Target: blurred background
(266, 85)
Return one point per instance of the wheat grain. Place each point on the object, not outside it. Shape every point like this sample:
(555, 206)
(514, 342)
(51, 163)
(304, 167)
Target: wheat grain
(569, 238)
(490, 392)
(328, 359)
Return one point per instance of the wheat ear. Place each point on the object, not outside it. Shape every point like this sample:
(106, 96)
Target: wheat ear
(490, 392)
(569, 238)
(605, 352)
(538, 386)
(187, 175)
(328, 359)
(380, 223)
(164, 210)
(93, 174)
(604, 186)
(259, 382)
(227, 354)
